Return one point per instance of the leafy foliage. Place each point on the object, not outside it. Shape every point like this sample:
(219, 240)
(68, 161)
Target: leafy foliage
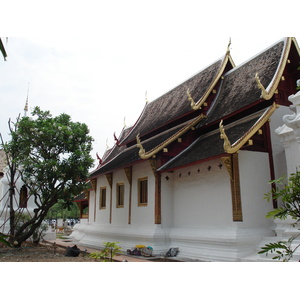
(53, 152)
(53, 156)
(63, 209)
(288, 192)
(3, 239)
(282, 249)
(108, 253)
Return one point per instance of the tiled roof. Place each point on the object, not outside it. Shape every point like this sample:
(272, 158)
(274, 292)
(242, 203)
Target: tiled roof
(239, 88)
(238, 95)
(130, 155)
(209, 145)
(173, 104)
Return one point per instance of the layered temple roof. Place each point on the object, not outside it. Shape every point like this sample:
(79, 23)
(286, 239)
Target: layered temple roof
(174, 104)
(182, 126)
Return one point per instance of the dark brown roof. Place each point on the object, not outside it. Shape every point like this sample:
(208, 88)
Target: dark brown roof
(239, 88)
(238, 92)
(131, 155)
(173, 104)
(209, 145)
(116, 149)
(80, 197)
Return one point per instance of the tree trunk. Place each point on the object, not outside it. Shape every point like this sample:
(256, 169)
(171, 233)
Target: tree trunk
(11, 203)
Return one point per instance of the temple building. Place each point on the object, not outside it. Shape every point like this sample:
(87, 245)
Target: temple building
(192, 171)
(22, 202)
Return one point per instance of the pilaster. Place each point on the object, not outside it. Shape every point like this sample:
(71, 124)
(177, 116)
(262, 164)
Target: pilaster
(289, 135)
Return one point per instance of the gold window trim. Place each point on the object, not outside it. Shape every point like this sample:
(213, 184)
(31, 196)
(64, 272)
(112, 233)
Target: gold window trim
(139, 191)
(101, 199)
(118, 184)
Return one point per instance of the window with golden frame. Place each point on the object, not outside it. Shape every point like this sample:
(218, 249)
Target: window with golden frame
(120, 194)
(102, 204)
(143, 191)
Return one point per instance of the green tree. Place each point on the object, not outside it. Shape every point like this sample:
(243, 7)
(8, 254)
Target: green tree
(63, 209)
(288, 191)
(107, 253)
(53, 157)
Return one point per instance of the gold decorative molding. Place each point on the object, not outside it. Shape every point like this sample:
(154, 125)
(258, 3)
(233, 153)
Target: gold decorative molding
(94, 184)
(264, 94)
(145, 155)
(232, 166)
(142, 152)
(210, 89)
(279, 73)
(193, 103)
(87, 194)
(109, 178)
(226, 160)
(247, 136)
(224, 137)
(153, 164)
(237, 213)
(128, 172)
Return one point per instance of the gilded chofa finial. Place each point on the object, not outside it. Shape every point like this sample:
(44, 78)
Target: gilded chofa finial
(146, 99)
(229, 44)
(224, 137)
(264, 94)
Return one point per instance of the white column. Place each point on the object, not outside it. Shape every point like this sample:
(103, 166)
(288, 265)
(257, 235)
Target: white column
(289, 135)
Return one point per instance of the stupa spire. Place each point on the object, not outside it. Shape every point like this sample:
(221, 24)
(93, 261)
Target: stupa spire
(26, 104)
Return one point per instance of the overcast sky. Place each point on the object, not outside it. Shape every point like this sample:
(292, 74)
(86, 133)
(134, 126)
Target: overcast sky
(96, 62)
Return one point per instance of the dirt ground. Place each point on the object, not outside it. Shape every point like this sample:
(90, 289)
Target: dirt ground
(39, 253)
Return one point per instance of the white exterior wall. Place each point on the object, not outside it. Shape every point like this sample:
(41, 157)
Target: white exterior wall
(142, 229)
(196, 208)
(167, 202)
(254, 183)
(4, 195)
(140, 215)
(102, 215)
(202, 199)
(143, 215)
(119, 214)
(91, 206)
(18, 185)
(280, 164)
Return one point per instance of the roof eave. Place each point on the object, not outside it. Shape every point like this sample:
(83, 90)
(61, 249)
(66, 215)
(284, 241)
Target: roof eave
(227, 58)
(267, 93)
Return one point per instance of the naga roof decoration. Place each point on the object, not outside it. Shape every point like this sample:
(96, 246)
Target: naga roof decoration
(213, 83)
(130, 155)
(237, 145)
(145, 155)
(174, 104)
(239, 88)
(267, 93)
(210, 145)
(235, 98)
